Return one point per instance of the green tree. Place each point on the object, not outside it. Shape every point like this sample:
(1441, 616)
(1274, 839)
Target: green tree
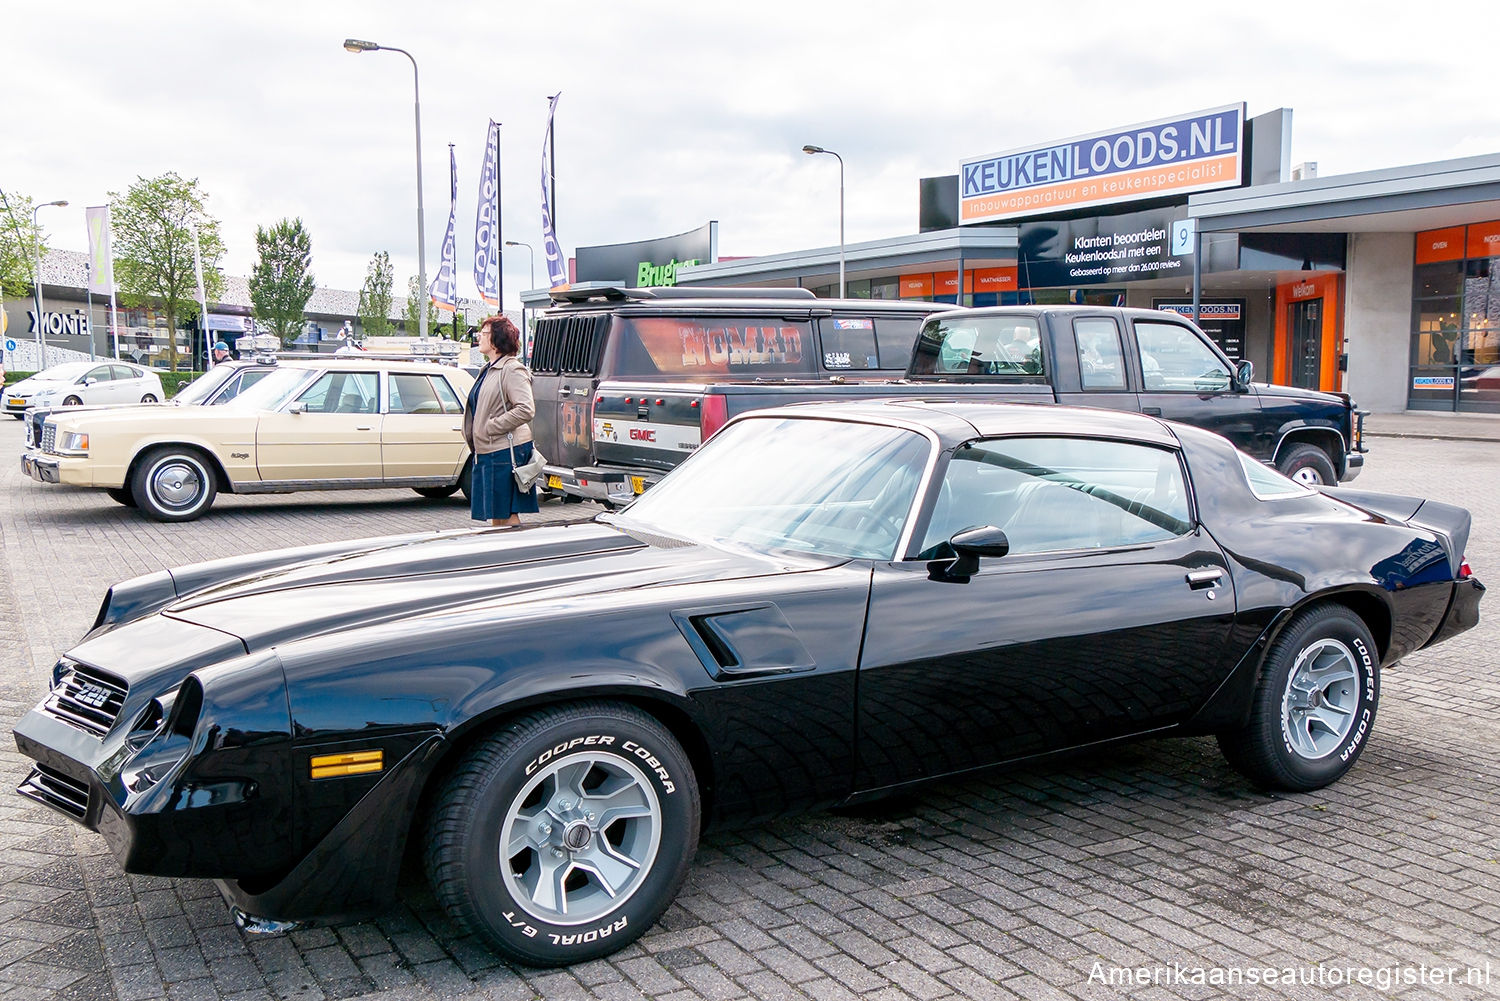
(17, 244)
(281, 282)
(414, 311)
(153, 247)
(375, 297)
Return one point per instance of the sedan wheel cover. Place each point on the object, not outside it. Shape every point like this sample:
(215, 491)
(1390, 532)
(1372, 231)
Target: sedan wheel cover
(579, 838)
(176, 484)
(1321, 700)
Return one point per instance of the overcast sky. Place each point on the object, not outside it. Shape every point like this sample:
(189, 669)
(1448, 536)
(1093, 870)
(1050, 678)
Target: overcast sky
(676, 113)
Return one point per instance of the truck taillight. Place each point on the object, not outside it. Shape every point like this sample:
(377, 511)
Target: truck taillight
(712, 415)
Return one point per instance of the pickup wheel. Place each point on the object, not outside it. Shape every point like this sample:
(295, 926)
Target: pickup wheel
(565, 834)
(1308, 465)
(173, 484)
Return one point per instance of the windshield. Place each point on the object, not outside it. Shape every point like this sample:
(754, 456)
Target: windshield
(64, 373)
(202, 387)
(815, 486)
(272, 391)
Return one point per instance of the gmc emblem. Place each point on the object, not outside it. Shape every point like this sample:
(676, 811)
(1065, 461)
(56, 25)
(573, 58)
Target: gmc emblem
(642, 434)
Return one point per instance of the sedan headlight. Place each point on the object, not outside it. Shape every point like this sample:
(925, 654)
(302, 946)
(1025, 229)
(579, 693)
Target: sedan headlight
(74, 443)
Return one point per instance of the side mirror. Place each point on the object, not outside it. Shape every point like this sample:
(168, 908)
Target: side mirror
(88, 380)
(970, 544)
(1244, 374)
(297, 407)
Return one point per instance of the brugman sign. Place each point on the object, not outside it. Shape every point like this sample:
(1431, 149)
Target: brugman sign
(1170, 156)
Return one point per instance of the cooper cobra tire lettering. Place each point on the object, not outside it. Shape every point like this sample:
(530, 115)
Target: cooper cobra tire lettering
(631, 747)
(593, 740)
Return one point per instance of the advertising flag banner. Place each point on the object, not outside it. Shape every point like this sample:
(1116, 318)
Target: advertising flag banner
(557, 270)
(444, 288)
(487, 221)
(101, 265)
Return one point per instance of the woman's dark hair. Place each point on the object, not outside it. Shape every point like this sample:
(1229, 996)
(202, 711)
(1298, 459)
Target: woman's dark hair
(503, 334)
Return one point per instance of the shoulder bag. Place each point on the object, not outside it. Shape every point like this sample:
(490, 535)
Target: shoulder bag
(526, 476)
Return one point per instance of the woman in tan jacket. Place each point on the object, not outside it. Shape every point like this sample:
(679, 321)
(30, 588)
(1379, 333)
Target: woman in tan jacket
(497, 423)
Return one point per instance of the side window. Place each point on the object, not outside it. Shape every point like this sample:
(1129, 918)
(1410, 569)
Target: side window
(126, 372)
(979, 346)
(1101, 360)
(1175, 360)
(100, 374)
(894, 337)
(1053, 494)
(848, 343)
(234, 387)
(413, 394)
(446, 396)
(341, 393)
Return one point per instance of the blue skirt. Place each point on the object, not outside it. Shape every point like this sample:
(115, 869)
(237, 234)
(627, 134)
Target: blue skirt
(493, 494)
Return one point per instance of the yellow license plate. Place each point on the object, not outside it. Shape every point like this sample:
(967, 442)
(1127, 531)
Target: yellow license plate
(638, 484)
(17, 401)
(554, 483)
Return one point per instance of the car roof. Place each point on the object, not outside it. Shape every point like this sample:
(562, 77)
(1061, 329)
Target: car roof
(955, 421)
(1130, 312)
(355, 361)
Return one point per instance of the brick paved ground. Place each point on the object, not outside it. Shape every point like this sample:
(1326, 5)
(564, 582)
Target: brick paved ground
(1014, 885)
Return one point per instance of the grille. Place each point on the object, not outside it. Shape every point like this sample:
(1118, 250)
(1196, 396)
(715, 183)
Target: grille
(570, 345)
(87, 699)
(49, 438)
(53, 788)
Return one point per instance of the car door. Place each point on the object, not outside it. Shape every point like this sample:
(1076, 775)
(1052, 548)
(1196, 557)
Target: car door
(329, 434)
(1184, 378)
(1098, 363)
(1110, 615)
(130, 384)
(98, 385)
(421, 434)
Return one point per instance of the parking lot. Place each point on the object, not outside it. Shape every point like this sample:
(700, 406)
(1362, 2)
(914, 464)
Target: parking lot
(1151, 870)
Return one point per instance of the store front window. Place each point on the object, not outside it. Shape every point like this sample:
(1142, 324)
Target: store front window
(1455, 352)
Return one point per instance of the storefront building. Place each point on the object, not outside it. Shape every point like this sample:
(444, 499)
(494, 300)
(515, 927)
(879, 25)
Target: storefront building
(1322, 283)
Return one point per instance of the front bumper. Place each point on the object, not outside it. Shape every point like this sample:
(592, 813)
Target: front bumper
(16, 404)
(41, 467)
(1354, 464)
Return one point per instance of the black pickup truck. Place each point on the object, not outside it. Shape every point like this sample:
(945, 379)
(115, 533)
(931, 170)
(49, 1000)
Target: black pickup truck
(1122, 359)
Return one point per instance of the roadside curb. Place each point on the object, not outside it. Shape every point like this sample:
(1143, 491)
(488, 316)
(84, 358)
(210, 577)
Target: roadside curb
(1431, 437)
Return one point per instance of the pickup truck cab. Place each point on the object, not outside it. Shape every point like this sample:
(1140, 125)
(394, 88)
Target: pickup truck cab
(680, 340)
(1150, 361)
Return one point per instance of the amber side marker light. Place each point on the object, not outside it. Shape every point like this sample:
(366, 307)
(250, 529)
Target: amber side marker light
(331, 766)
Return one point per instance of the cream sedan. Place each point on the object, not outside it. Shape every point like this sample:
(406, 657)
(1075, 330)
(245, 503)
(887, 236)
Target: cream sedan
(345, 423)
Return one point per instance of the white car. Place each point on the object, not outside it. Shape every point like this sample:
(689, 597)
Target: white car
(92, 382)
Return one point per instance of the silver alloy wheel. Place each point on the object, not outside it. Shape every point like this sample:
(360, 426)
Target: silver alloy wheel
(1321, 699)
(580, 837)
(1308, 477)
(177, 484)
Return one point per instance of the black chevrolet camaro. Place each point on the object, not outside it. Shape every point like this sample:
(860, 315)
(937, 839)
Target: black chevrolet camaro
(824, 605)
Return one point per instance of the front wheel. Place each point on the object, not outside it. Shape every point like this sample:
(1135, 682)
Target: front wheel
(565, 835)
(1314, 705)
(437, 493)
(172, 484)
(1308, 465)
(73, 401)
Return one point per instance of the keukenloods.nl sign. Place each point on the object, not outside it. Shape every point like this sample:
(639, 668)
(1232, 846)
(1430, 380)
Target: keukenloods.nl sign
(1193, 152)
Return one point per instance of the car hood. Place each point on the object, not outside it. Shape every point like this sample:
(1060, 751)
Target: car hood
(502, 570)
(1293, 393)
(106, 416)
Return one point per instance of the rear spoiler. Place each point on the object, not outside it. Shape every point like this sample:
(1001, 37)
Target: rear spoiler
(1450, 523)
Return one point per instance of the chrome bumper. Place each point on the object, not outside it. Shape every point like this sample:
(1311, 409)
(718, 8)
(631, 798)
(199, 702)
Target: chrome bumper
(1354, 463)
(40, 468)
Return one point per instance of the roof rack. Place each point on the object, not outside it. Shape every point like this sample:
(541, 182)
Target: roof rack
(586, 291)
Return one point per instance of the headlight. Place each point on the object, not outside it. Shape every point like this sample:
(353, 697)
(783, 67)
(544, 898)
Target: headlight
(74, 443)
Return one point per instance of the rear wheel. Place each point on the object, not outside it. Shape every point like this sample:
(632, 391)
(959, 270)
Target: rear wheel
(72, 401)
(466, 480)
(149, 398)
(565, 835)
(173, 484)
(1308, 465)
(121, 495)
(437, 493)
(1314, 705)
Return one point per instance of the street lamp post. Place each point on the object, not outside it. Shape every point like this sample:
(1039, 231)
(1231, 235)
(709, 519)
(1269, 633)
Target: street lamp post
(356, 45)
(531, 266)
(810, 150)
(36, 248)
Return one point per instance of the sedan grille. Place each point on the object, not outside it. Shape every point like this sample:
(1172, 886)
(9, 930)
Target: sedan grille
(49, 438)
(87, 699)
(54, 789)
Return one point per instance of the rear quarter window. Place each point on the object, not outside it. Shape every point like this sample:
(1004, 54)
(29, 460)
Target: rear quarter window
(696, 348)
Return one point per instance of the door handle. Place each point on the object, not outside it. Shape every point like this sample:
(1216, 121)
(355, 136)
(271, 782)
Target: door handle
(365, 428)
(565, 391)
(1199, 579)
(1151, 411)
